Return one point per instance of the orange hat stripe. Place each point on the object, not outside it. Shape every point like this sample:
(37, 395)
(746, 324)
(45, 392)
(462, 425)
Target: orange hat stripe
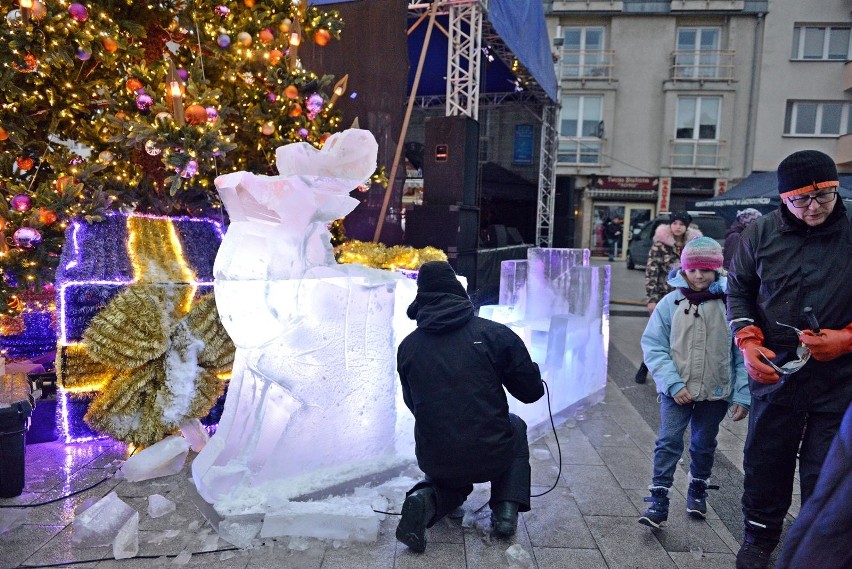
(810, 188)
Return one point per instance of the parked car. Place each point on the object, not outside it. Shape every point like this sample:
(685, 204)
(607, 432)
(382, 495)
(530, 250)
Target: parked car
(709, 223)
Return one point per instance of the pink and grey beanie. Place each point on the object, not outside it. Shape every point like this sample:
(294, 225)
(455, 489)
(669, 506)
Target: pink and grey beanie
(701, 253)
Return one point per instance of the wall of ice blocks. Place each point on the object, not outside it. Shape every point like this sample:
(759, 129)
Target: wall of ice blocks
(559, 305)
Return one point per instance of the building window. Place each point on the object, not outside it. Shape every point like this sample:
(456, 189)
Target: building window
(817, 118)
(580, 129)
(696, 141)
(583, 52)
(697, 55)
(820, 43)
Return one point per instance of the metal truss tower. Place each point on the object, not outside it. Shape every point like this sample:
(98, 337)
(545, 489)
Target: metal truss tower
(463, 58)
(547, 176)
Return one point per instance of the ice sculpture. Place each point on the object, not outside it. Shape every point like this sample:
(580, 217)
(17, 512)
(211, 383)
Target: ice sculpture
(312, 401)
(559, 305)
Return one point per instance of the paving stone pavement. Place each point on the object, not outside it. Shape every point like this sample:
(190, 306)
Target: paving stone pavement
(589, 519)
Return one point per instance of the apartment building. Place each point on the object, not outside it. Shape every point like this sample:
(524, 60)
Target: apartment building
(669, 102)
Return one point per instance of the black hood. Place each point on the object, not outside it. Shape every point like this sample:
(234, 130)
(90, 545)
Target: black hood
(440, 311)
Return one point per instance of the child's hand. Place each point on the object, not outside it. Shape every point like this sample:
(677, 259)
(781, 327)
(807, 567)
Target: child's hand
(683, 397)
(738, 412)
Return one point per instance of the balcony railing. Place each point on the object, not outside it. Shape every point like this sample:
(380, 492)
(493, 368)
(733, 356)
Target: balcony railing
(691, 153)
(586, 64)
(580, 151)
(707, 5)
(702, 65)
(587, 6)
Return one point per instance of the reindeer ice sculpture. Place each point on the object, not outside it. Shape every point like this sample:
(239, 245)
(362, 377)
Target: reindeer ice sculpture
(312, 399)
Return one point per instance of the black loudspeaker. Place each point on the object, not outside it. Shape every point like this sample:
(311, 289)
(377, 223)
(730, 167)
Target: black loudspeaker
(514, 236)
(464, 263)
(447, 227)
(451, 161)
(497, 236)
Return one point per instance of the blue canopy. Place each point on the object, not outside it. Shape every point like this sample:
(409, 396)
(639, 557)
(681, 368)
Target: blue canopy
(521, 27)
(760, 189)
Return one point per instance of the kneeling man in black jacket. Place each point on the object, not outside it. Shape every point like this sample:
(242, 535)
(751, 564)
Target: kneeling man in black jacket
(453, 368)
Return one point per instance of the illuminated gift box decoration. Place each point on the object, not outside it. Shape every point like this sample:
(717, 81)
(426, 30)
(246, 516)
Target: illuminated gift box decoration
(138, 327)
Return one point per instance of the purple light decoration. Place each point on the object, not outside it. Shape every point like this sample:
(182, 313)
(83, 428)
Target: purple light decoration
(67, 418)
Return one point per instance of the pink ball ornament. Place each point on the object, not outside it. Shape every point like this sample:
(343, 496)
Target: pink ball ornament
(212, 114)
(83, 54)
(21, 202)
(223, 40)
(78, 12)
(303, 133)
(144, 101)
(221, 11)
(27, 237)
(190, 170)
(183, 74)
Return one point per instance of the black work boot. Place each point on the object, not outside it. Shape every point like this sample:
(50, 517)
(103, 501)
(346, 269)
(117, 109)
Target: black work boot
(754, 554)
(658, 511)
(641, 375)
(504, 518)
(696, 497)
(417, 511)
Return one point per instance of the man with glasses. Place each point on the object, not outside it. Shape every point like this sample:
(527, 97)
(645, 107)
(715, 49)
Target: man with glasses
(790, 308)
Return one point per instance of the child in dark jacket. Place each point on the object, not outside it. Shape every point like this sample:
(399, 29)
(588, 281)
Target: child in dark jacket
(699, 373)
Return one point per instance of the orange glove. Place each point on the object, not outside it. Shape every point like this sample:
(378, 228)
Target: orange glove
(828, 344)
(750, 342)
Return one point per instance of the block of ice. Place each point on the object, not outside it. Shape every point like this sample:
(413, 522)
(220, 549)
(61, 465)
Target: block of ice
(513, 284)
(323, 520)
(161, 459)
(240, 530)
(159, 506)
(100, 524)
(312, 402)
(519, 558)
(126, 543)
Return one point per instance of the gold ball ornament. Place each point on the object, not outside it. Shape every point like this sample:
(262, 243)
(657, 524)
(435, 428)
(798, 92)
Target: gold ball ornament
(106, 157)
(268, 129)
(265, 36)
(296, 111)
(163, 117)
(110, 45)
(249, 3)
(321, 37)
(63, 183)
(195, 114)
(291, 91)
(121, 115)
(133, 84)
(275, 56)
(284, 26)
(244, 38)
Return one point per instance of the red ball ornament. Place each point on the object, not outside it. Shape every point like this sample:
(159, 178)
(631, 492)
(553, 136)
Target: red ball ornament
(110, 45)
(133, 84)
(195, 114)
(296, 111)
(4, 135)
(24, 163)
(46, 217)
(321, 37)
(265, 36)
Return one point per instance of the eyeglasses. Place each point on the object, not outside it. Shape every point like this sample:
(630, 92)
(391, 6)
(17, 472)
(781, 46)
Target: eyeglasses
(801, 202)
(802, 352)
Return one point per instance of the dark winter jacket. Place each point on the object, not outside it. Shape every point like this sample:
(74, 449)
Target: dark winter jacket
(662, 258)
(819, 538)
(781, 266)
(732, 239)
(453, 368)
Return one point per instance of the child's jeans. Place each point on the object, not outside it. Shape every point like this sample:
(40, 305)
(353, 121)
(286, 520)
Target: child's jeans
(704, 417)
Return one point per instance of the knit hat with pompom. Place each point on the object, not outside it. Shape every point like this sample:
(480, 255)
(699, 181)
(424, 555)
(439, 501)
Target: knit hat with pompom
(701, 253)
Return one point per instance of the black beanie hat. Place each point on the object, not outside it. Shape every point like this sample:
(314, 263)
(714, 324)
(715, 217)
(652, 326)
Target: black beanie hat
(806, 171)
(681, 216)
(439, 276)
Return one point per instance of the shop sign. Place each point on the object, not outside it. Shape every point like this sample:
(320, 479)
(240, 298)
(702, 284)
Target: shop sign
(628, 182)
(663, 196)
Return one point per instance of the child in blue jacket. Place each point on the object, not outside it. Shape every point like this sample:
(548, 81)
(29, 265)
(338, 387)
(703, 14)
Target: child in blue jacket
(699, 373)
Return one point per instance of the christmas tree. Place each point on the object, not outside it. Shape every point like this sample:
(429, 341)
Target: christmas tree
(116, 104)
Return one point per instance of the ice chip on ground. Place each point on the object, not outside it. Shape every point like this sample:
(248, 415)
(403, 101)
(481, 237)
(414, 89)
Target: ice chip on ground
(541, 454)
(469, 518)
(227, 555)
(210, 542)
(195, 433)
(518, 558)
(240, 531)
(161, 459)
(159, 506)
(12, 518)
(162, 536)
(193, 525)
(126, 543)
(182, 558)
(299, 544)
(100, 524)
(697, 552)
